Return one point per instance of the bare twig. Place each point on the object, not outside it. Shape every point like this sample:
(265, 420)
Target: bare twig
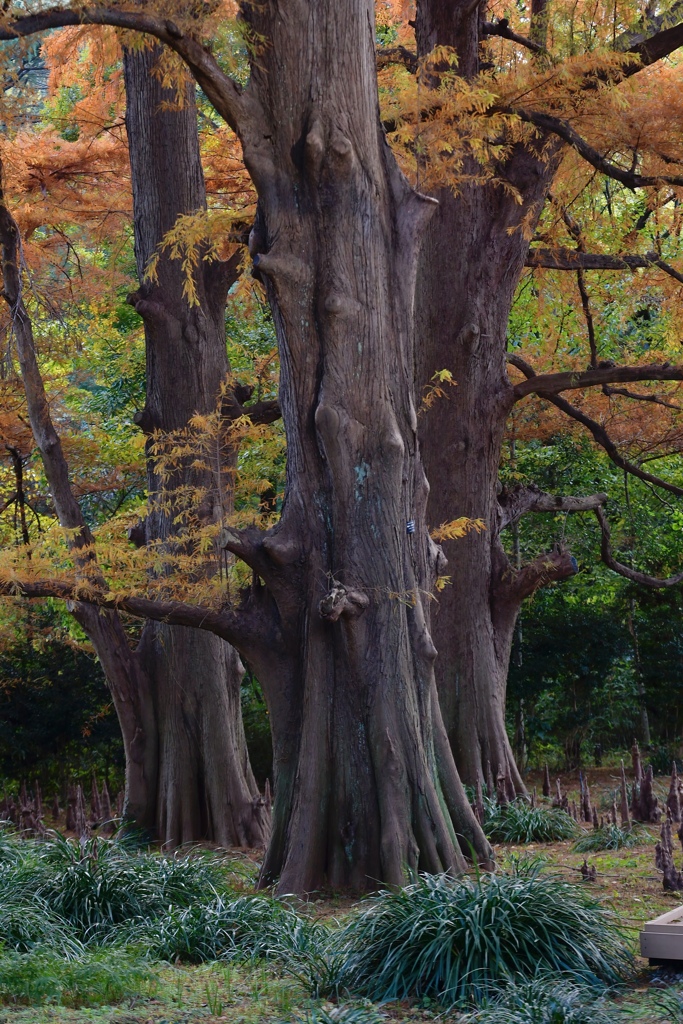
(644, 579)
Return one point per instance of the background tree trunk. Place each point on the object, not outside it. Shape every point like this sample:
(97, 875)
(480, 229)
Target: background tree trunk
(205, 786)
(472, 258)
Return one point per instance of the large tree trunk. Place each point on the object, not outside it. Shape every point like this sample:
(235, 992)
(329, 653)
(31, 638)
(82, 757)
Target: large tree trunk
(205, 787)
(472, 259)
(365, 787)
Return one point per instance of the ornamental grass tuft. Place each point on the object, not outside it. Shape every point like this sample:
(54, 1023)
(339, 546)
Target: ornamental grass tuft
(612, 837)
(519, 822)
(545, 1000)
(457, 941)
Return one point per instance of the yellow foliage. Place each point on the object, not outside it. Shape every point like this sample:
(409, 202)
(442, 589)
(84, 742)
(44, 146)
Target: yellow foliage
(434, 390)
(457, 529)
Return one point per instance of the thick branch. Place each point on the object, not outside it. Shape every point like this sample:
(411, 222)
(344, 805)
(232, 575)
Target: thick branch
(631, 574)
(233, 406)
(248, 545)
(227, 97)
(264, 412)
(571, 259)
(596, 429)
(514, 587)
(518, 502)
(554, 383)
(558, 126)
(240, 628)
(388, 55)
(502, 28)
(655, 38)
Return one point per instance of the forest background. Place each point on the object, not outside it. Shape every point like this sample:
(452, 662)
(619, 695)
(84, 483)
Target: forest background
(596, 659)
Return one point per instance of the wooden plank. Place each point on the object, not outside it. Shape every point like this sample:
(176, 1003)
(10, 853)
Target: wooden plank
(662, 938)
(658, 946)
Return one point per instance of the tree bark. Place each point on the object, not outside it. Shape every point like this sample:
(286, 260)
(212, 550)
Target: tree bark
(205, 787)
(366, 791)
(473, 254)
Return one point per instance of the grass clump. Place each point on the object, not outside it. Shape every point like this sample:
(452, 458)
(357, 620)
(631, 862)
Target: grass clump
(92, 977)
(612, 837)
(457, 941)
(245, 927)
(99, 885)
(545, 1000)
(519, 822)
(24, 925)
(241, 929)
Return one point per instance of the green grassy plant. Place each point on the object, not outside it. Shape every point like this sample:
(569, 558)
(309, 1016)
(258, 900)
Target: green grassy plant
(612, 837)
(457, 941)
(96, 887)
(545, 1000)
(24, 925)
(220, 928)
(519, 822)
(93, 977)
(243, 928)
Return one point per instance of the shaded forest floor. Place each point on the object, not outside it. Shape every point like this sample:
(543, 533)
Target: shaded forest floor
(212, 993)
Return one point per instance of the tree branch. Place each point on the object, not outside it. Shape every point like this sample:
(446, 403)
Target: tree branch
(248, 545)
(502, 28)
(388, 55)
(521, 500)
(552, 567)
(571, 259)
(233, 406)
(638, 397)
(650, 46)
(588, 316)
(558, 126)
(596, 429)
(264, 412)
(549, 384)
(40, 418)
(239, 627)
(631, 574)
(224, 93)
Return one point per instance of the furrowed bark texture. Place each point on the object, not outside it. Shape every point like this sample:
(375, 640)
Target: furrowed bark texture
(360, 795)
(205, 787)
(472, 257)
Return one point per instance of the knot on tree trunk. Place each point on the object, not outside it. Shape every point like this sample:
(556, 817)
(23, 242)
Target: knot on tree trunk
(144, 419)
(339, 601)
